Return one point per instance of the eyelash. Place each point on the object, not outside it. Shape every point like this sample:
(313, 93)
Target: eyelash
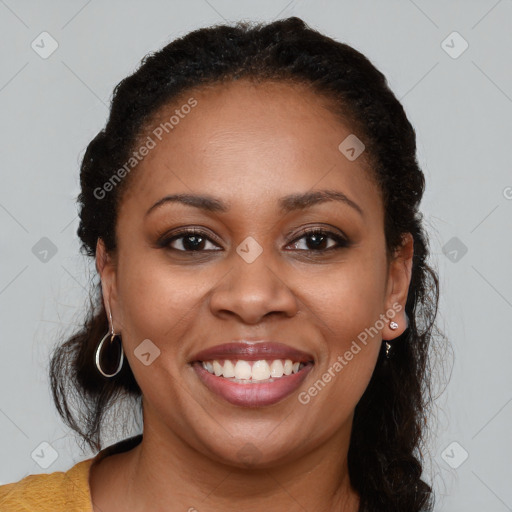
(340, 240)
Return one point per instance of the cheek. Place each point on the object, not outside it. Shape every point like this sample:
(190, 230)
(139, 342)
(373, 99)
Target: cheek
(347, 305)
(345, 312)
(160, 305)
(155, 300)
(349, 319)
(350, 298)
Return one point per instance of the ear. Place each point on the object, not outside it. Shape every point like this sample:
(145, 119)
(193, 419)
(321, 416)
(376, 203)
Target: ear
(399, 279)
(106, 268)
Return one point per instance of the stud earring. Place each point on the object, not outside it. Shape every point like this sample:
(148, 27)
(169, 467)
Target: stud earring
(394, 326)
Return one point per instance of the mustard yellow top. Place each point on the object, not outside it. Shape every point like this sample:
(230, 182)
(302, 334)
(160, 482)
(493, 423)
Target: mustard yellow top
(60, 491)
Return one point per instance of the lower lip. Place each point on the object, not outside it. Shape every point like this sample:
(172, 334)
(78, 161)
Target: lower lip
(252, 394)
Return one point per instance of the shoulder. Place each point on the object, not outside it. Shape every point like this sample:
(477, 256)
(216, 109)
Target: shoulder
(60, 491)
(53, 492)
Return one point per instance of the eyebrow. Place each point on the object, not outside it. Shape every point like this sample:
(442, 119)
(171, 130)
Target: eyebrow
(287, 204)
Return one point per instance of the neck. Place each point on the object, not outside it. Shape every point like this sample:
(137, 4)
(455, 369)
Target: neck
(164, 469)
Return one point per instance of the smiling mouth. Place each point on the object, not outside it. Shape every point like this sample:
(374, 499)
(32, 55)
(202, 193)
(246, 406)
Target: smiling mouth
(253, 372)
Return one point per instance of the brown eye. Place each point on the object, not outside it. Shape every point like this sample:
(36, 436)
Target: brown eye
(188, 241)
(318, 240)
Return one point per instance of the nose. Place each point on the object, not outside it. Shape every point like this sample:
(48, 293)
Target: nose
(251, 291)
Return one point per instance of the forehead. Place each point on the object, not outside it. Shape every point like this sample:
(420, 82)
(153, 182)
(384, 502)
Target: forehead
(247, 142)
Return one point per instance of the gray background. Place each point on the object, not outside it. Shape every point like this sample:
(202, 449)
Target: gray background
(461, 109)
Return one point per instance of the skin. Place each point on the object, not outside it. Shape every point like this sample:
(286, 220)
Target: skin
(248, 145)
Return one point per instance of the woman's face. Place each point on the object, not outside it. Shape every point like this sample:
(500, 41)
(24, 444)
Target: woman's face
(252, 273)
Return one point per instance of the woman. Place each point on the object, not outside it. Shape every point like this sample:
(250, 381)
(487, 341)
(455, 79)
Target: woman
(252, 208)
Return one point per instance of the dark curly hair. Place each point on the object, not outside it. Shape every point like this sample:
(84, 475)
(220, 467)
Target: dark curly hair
(389, 430)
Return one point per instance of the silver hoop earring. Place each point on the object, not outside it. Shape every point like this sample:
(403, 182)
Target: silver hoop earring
(121, 354)
(112, 335)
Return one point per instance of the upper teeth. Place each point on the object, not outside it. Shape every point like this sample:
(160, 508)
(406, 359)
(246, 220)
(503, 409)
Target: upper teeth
(252, 370)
